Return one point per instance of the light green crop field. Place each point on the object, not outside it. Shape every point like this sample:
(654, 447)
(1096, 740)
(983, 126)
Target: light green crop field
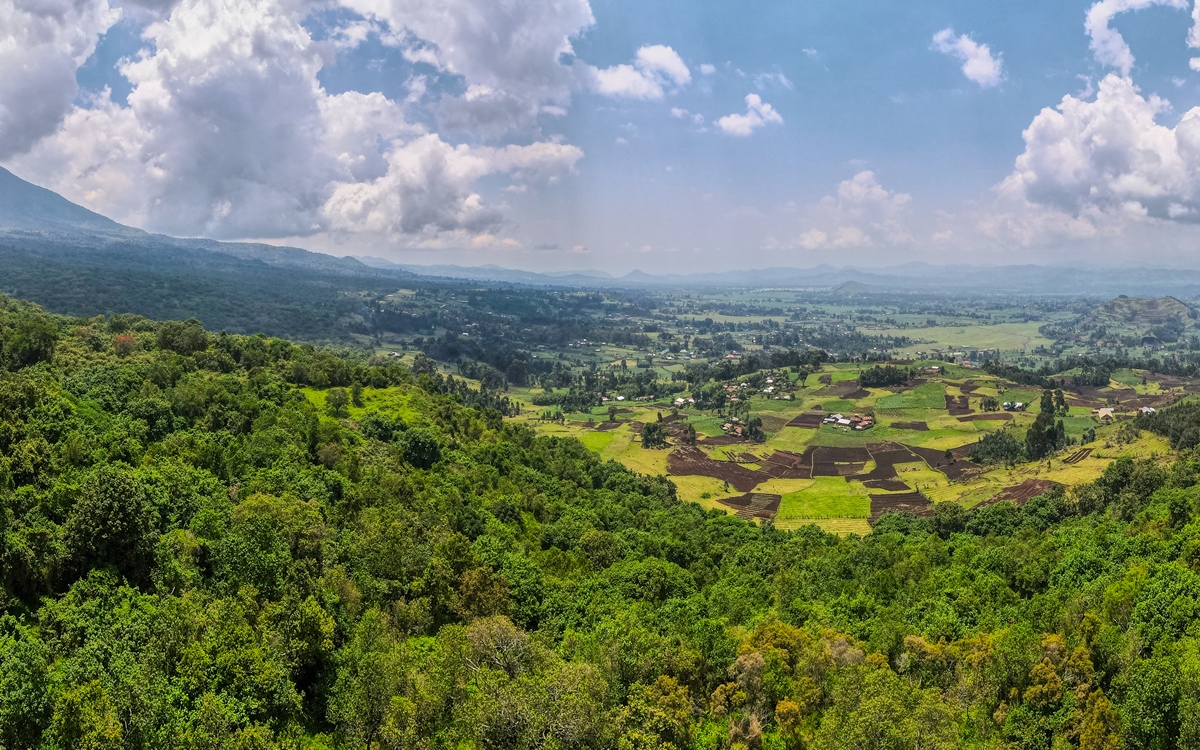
(596, 441)
(926, 396)
(838, 405)
(825, 498)
(1004, 336)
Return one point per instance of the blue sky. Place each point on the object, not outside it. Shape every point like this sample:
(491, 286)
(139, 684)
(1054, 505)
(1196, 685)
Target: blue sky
(617, 135)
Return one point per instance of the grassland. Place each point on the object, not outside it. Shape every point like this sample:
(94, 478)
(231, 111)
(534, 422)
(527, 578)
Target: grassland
(1012, 337)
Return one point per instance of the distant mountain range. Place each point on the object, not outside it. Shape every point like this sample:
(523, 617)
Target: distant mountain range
(39, 221)
(849, 281)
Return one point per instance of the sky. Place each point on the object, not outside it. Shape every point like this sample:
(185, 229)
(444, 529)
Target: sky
(618, 134)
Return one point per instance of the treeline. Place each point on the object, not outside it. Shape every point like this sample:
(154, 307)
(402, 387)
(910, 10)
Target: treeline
(1091, 371)
(1179, 423)
(196, 553)
(885, 376)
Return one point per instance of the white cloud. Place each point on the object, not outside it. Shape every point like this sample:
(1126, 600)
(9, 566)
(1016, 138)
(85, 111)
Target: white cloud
(229, 134)
(707, 69)
(1110, 158)
(42, 44)
(777, 78)
(515, 49)
(1107, 43)
(862, 213)
(429, 187)
(758, 114)
(655, 69)
(979, 65)
(682, 114)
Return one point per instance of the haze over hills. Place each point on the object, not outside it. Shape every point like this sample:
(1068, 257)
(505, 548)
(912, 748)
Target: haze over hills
(40, 226)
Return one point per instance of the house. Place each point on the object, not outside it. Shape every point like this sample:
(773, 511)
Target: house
(844, 422)
(1014, 406)
(1104, 415)
(620, 398)
(1147, 410)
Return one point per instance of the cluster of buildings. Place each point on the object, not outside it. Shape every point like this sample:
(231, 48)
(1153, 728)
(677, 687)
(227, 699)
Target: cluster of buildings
(1014, 405)
(853, 422)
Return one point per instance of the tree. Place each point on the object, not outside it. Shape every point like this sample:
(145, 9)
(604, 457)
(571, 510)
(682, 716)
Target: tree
(336, 401)
(33, 341)
(654, 435)
(420, 447)
(113, 523)
(356, 394)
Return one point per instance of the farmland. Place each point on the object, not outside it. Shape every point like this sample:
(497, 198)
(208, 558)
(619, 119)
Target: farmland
(914, 456)
(744, 382)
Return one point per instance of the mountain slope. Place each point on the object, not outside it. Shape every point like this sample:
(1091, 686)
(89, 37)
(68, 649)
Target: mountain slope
(27, 207)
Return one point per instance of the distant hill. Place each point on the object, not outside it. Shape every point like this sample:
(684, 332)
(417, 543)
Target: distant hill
(27, 207)
(853, 288)
(75, 261)
(1137, 312)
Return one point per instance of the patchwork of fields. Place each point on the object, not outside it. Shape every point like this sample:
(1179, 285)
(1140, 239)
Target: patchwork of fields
(841, 479)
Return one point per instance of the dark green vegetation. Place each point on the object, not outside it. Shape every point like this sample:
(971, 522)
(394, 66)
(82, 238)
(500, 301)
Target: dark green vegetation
(195, 555)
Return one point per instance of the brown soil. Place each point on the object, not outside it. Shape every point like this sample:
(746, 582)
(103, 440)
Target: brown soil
(969, 387)
(722, 440)
(772, 423)
(914, 426)
(811, 421)
(748, 458)
(856, 395)
(956, 468)
(674, 418)
(1077, 456)
(838, 470)
(888, 485)
(958, 405)
(990, 417)
(754, 505)
(689, 461)
(1021, 493)
(886, 456)
(843, 455)
(912, 502)
(605, 426)
(842, 389)
(785, 465)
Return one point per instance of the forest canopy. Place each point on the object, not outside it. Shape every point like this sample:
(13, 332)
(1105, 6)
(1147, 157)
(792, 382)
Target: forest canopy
(201, 546)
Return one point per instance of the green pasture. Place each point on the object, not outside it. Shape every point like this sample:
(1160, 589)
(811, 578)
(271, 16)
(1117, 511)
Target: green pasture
(926, 396)
(826, 497)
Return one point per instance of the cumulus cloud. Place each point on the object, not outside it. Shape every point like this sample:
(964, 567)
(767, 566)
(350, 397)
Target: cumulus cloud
(978, 63)
(429, 187)
(512, 51)
(1110, 158)
(228, 134)
(42, 44)
(862, 213)
(655, 69)
(758, 113)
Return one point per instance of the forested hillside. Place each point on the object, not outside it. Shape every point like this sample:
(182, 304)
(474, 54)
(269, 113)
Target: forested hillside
(194, 555)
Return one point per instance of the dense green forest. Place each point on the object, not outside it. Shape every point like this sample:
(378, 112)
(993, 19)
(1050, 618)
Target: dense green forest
(194, 555)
